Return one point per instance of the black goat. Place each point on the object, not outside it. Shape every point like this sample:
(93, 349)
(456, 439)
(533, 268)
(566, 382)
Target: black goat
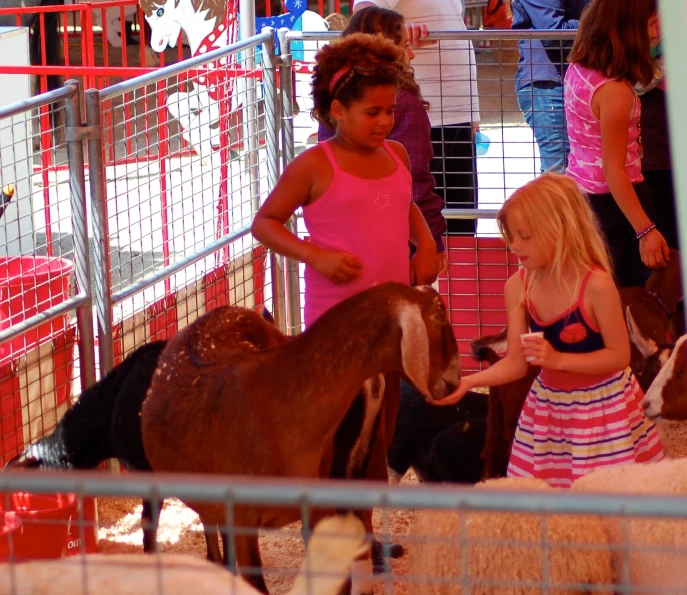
(103, 423)
(442, 444)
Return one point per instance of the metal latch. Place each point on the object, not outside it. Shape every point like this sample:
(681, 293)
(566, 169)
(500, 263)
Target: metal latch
(77, 133)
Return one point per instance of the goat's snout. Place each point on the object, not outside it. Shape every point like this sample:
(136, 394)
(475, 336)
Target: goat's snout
(448, 381)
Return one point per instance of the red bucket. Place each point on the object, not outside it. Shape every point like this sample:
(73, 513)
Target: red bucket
(29, 285)
(46, 520)
(10, 524)
(75, 544)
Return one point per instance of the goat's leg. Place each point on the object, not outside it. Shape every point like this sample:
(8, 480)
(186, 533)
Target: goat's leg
(248, 560)
(212, 543)
(150, 518)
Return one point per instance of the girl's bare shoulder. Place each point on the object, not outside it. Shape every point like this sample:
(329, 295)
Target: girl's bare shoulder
(600, 282)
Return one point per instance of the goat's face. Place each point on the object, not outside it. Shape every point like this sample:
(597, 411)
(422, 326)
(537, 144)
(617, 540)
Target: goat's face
(428, 346)
(648, 357)
(667, 395)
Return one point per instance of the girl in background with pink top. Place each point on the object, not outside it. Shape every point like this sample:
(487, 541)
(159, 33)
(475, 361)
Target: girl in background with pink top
(612, 54)
(355, 189)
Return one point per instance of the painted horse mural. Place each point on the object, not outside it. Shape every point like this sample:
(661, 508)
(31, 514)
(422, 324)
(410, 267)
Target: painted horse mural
(209, 25)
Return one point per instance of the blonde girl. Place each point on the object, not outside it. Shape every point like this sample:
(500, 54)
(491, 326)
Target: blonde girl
(584, 409)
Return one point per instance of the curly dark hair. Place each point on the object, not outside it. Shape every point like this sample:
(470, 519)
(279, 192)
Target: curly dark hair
(390, 24)
(358, 50)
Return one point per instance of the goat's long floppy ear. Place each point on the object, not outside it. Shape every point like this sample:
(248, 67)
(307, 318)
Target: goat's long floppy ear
(414, 347)
(645, 345)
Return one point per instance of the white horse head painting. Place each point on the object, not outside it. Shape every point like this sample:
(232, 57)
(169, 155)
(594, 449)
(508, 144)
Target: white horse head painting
(209, 25)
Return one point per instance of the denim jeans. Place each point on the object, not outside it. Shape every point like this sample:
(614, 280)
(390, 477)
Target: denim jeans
(542, 105)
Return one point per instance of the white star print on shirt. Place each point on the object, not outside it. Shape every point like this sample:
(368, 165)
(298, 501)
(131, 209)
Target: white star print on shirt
(382, 201)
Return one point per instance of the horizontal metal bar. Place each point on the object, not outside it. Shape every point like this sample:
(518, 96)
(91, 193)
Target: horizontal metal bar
(470, 213)
(36, 102)
(46, 316)
(261, 491)
(187, 261)
(161, 74)
(470, 34)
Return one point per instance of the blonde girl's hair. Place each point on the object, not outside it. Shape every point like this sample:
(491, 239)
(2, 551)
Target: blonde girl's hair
(557, 213)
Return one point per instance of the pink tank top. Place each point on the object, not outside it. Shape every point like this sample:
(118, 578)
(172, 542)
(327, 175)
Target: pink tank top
(585, 165)
(367, 218)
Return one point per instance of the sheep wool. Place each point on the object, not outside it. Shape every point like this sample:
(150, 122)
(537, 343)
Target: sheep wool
(505, 554)
(656, 556)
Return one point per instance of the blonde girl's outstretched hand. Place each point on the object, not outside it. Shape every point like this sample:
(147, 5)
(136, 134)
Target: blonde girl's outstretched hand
(654, 250)
(338, 267)
(463, 388)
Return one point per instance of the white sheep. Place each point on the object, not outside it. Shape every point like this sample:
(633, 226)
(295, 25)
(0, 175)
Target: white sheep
(335, 543)
(656, 551)
(505, 554)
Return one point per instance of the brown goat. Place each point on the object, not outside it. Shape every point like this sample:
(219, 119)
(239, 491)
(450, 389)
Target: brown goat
(505, 404)
(667, 395)
(214, 408)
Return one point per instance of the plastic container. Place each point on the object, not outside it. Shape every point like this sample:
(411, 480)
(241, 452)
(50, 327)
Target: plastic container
(46, 521)
(29, 285)
(482, 143)
(10, 525)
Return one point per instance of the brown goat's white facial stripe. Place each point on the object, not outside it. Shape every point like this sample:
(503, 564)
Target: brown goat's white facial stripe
(373, 393)
(653, 400)
(414, 346)
(645, 345)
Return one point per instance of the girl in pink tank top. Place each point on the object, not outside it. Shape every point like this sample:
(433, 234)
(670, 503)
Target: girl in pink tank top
(612, 53)
(355, 189)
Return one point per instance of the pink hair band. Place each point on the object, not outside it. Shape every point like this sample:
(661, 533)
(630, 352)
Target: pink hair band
(338, 76)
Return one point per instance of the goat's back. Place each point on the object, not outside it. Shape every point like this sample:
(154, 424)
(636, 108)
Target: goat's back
(195, 400)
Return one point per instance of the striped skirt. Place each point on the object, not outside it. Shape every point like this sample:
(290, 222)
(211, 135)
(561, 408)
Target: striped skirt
(563, 434)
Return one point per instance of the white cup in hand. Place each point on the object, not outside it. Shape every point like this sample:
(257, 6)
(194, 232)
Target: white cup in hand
(523, 341)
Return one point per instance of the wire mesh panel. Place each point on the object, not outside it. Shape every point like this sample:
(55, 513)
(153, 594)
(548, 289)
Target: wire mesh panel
(183, 176)
(508, 536)
(43, 266)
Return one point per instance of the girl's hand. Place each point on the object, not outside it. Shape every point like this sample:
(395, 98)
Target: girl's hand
(338, 267)
(442, 263)
(423, 267)
(654, 250)
(540, 349)
(463, 388)
(417, 34)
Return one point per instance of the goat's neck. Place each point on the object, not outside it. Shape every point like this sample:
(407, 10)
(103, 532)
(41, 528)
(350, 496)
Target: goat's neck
(322, 370)
(669, 290)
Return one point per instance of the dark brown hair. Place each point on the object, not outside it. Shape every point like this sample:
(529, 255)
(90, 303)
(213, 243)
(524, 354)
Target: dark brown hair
(389, 24)
(357, 49)
(614, 39)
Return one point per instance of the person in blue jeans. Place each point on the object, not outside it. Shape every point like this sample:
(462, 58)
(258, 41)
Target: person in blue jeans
(539, 79)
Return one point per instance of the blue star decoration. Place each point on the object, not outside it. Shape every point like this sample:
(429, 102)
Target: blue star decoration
(382, 201)
(296, 9)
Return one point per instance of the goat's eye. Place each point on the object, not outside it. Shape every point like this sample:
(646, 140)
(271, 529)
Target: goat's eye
(160, 11)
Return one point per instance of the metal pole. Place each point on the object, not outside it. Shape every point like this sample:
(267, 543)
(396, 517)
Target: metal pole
(77, 186)
(101, 238)
(293, 293)
(269, 62)
(250, 113)
(673, 27)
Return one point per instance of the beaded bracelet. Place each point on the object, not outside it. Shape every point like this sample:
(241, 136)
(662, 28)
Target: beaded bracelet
(641, 234)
